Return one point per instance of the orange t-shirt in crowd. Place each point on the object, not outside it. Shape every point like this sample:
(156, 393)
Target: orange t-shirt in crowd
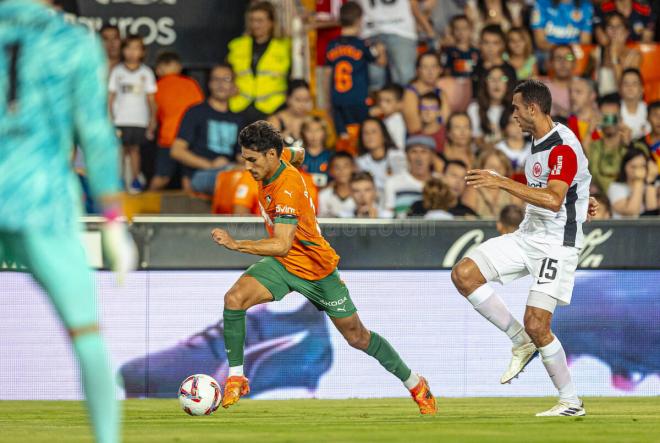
(284, 198)
(176, 93)
(225, 188)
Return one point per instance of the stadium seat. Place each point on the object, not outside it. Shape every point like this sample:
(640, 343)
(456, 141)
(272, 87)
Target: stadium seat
(650, 70)
(582, 53)
(225, 188)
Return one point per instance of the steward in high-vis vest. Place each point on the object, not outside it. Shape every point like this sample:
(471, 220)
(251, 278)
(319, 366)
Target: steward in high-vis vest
(266, 87)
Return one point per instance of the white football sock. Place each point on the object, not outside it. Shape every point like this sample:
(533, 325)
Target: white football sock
(554, 360)
(493, 309)
(235, 370)
(412, 381)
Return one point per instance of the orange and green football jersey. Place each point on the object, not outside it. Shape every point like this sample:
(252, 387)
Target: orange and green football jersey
(284, 198)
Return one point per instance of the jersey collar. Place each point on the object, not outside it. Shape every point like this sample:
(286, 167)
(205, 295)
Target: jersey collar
(268, 181)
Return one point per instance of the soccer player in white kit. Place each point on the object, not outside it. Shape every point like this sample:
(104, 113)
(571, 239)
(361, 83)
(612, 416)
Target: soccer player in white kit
(546, 246)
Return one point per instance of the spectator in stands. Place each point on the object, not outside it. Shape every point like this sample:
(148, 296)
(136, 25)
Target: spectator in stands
(365, 196)
(488, 112)
(634, 192)
(176, 93)
(509, 219)
(326, 23)
(460, 59)
(378, 154)
(405, 188)
(337, 198)
(606, 153)
(515, 144)
(430, 114)
(520, 53)
(207, 140)
(132, 103)
(633, 107)
(562, 65)
(561, 22)
(348, 58)
(584, 118)
(502, 13)
(390, 103)
(488, 203)
(454, 175)
(442, 13)
(393, 25)
(317, 155)
(297, 108)
(261, 62)
(638, 14)
(428, 75)
(459, 144)
(492, 48)
(437, 199)
(651, 142)
(607, 63)
(604, 210)
(111, 39)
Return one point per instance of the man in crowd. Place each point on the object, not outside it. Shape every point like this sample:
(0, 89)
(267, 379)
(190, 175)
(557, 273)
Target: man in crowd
(562, 65)
(454, 175)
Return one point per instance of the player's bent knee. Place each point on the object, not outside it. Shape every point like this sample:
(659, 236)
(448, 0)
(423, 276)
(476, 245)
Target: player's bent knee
(357, 340)
(465, 276)
(235, 299)
(536, 329)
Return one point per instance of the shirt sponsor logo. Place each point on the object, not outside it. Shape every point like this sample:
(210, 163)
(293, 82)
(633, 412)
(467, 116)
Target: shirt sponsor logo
(537, 169)
(334, 303)
(556, 170)
(284, 209)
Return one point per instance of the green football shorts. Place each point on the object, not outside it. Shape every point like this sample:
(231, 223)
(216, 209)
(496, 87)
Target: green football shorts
(329, 294)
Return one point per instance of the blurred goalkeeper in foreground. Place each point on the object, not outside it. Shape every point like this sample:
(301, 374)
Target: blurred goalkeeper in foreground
(52, 94)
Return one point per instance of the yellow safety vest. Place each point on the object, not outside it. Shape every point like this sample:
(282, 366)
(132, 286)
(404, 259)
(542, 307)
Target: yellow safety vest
(266, 88)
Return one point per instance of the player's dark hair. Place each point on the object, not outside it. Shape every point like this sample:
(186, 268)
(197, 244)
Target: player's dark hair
(493, 30)
(339, 155)
(653, 106)
(130, 38)
(362, 176)
(459, 163)
(349, 14)
(609, 99)
(261, 136)
(431, 96)
(394, 88)
(534, 91)
(511, 216)
(630, 155)
(633, 71)
(264, 6)
(458, 18)
(294, 84)
(387, 138)
(168, 57)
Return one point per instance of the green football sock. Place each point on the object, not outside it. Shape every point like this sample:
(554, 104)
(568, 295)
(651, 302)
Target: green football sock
(234, 334)
(382, 350)
(99, 387)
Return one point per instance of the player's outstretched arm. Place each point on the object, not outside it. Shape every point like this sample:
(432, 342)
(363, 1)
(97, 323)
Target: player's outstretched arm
(276, 246)
(550, 198)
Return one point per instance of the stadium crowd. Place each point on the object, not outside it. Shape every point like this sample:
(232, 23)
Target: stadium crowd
(407, 95)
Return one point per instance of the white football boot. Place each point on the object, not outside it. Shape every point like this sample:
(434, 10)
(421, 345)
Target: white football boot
(562, 409)
(521, 357)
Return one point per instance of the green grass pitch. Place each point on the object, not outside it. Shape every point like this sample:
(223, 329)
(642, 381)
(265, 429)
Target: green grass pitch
(506, 420)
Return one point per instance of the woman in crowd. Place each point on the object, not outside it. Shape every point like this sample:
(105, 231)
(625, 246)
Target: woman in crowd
(487, 113)
(633, 107)
(297, 108)
(428, 71)
(378, 153)
(459, 144)
(488, 203)
(634, 192)
(520, 53)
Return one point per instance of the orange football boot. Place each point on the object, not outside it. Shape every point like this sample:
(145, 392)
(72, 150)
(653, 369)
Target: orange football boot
(423, 397)
(235, 387)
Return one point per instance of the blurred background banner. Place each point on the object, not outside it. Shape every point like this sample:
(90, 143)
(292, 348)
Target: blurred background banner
(165, 325)
(199, 30)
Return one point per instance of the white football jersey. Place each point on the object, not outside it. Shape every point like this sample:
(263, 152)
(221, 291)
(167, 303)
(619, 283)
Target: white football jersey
(551, 158)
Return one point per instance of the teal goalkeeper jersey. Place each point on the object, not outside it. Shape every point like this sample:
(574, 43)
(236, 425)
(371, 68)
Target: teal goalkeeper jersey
(53, 94)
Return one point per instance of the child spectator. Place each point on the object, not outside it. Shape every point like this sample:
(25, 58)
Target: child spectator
(430, 113)
(515, 145)
(132, 103)
(365, 196)
(520, 53)
(492, 48)
(378, 155)
(390, 104)
(317, 156)
(349, 58)
(487, 113)
(460, 59)
(633, 107)
(297, 107)
(604, 211)
(634, 192)
(510, 218)
(558, 22)
(459, 145)
(437, 199)
(337, 199)
(176, 93)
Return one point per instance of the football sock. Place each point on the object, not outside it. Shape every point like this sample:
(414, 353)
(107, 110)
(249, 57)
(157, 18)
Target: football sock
(234, 333)
(412, 381)
(235, 370)
(382, 350)
(99, 386)
(493, 309)
(554, 360)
